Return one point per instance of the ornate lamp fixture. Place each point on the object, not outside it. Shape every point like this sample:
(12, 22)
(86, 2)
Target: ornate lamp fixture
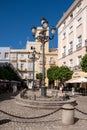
(43, 38)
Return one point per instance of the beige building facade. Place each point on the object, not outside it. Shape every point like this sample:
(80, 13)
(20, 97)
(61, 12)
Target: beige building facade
(21, 60)
(72, 35)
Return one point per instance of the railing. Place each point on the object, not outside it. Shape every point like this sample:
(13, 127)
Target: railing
(78, 46)
(63, 54)
(77, 67)
(22, 59)
(41, 62)
(70, 51)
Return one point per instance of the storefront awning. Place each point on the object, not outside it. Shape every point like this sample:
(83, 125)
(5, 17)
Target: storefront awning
(78, 77)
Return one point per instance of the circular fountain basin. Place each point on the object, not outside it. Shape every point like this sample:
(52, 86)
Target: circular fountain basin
(44, 102)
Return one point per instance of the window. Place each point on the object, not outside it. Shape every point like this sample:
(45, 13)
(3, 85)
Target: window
(79, 21)
(79, 39)
(32, 47)
(63, 25)
(13, 56)
(64, 63)
(70, 47)
(79, 6)
(30, 66)
(71, 29)
(22, 66)
(79, 60)
(79, 42)
(51, 60)
(6, 55)
(64, 35)
(30, 56)
(71, 15)
(22, 55)
(64, 51)
(71, 62)
(30, 75)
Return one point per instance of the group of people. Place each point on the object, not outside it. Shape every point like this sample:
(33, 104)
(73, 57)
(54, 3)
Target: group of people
(61, 87)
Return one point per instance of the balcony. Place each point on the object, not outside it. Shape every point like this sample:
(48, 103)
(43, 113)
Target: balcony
(78, 46)
(77, 67)
(14, 59)
(30, 69)
(41, 62)
(22, 70)
(63, 54)
(70, 51)
(22, 59)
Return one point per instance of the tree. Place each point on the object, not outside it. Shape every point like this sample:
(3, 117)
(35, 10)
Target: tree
(84, 63)
(7, 73)
(52, 73)
(39, 79)
(39, 76)
(64, 73)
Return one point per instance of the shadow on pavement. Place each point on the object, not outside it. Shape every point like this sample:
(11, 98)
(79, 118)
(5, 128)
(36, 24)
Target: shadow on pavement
(76, 119)
(4, 121)
(7, 96)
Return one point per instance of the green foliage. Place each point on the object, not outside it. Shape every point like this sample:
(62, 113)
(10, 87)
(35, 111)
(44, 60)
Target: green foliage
(7, 73)
(39, 76)
(52, 72)
(84, 63)
(62, 73)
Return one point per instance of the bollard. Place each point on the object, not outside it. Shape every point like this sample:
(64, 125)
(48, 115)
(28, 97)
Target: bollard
(68, 114)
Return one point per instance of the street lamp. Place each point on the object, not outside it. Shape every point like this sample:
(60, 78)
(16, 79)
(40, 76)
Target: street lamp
(43, 38)
(33, 58)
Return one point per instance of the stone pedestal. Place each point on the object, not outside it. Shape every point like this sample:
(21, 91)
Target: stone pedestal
(68, 114)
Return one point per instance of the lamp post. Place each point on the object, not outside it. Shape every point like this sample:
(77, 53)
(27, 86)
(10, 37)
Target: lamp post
(43, 38)
(33, 58)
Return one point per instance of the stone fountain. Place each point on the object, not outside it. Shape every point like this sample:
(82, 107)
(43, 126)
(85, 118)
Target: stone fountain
(54, 99)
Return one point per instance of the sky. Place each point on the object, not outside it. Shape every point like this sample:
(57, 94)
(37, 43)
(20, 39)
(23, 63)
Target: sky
(18, 16)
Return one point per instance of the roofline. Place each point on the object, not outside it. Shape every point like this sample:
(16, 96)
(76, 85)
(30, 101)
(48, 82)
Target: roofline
(74, 4)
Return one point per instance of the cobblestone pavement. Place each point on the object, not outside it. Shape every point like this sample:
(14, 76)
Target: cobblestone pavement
(51, 122)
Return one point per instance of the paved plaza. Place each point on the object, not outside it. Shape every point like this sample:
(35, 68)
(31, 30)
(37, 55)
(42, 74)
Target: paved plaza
(53, 121)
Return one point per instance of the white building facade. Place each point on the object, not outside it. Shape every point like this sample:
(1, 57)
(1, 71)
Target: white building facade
(72, 35)
(4, 54)
(20, 58)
